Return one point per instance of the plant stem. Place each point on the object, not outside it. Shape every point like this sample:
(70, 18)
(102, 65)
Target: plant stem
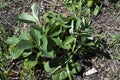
(68, 72)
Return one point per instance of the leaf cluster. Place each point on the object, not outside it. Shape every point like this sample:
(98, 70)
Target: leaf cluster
(3, 5)
(54, 44)
(88, 6)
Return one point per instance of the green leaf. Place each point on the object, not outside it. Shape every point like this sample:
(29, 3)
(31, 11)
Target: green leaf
(17, 53)
(24, 17)
(30, 64)
(47, 54)
(25, 44)
(57, 41)
(48, 67)
(50, 17)
(13, 40)
(37, 27)
(44, 41)
(57, 33)
(26, 54)
(69, 40)
(3, 5)
(62, 75)
(67, 47)
(74, 67)
(90, 44)
(89, 3)
(96, 10)
(38, 55)
(78, 23)
(36, 35)
(53, 65)
(35, 11)
(47, 28)
(24, 36)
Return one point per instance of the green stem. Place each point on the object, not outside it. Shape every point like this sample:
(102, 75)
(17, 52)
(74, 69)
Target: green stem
(56, 69)
(68, 72)
(66, 62)
(39, 24)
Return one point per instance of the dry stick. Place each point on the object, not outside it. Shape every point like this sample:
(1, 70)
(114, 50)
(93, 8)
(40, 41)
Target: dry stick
(55, 5)
(7, 22)
(30, 2)
(49, 2)
(52, 3)
(10, 67)
(16, 78)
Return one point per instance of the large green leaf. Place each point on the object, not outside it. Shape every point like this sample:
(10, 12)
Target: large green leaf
(57, 32)
(54, 65)
(47, 28)
(49, 68)
(50, 17)
(69, 40)
(67, 47)
(24, 36)
(57, 41)
(25, 44)
(78, 24)
(44, 41)
(96, 10)
(36, 35)
(30, 63)
(26, 54)
(45, 53)
(13, 40)
(35, 11)
(17, 53)
(24, 17)
(90, 44)
(62, 75)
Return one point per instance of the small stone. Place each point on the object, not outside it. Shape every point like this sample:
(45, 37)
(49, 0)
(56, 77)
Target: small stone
(91, 71)
(106, 78)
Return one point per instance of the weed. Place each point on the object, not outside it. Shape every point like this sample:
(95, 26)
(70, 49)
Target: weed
(53, 45)
(3, 53)
(3, 5)
(115, 44)
(86, 7)
(113, 73)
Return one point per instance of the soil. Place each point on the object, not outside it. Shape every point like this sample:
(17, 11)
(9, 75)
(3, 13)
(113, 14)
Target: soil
(106, 23)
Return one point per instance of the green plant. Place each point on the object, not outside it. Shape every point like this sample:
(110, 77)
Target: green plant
(3, 4)
(4, 56)
(113, 73)
(53, 45)
(115, 45)
(78, 7)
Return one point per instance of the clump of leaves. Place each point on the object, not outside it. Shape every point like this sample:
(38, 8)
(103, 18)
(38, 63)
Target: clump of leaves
(114, 45)
(83, 6)
(3, 4)
(54, 44)
(4, 56)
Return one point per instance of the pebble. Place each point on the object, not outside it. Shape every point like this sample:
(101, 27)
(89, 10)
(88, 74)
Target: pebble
(91, 71)
(106, 78)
